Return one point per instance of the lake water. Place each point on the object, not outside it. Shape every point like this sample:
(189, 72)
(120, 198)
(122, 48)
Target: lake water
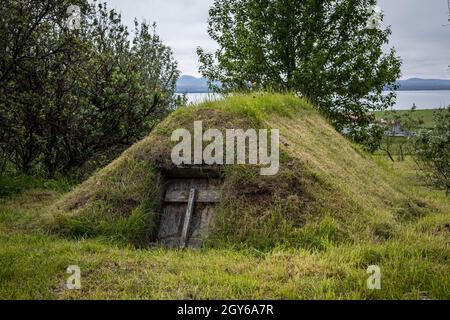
(430, 99)
(201, 97)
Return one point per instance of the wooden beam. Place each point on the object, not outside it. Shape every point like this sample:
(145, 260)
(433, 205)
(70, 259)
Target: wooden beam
(207, 190)
(203, 196)
(196, 172)
(187, 218)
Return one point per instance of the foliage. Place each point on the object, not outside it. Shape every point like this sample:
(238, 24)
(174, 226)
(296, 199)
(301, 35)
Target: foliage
(369, 137)
(408, 122)
(323, 50)
(432, 150)
(11, 186)
(67, 95)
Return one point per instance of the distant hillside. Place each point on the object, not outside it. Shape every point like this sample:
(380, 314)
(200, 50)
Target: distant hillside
(192, 84)
(424, 84)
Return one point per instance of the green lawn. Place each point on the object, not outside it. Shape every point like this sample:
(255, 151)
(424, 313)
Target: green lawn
(425, 115)
(309, 232)
(414, 260)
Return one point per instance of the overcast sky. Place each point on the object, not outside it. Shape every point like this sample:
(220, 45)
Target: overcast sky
(418, 31)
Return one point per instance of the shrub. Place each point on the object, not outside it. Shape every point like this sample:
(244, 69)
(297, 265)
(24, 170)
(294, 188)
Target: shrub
(432, 151)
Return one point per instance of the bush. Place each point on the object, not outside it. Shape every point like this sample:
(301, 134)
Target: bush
(432, 151)
(80, 92)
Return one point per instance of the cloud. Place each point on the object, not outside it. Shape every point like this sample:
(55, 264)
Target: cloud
(420, 36)
(182, 24)
(418, 29)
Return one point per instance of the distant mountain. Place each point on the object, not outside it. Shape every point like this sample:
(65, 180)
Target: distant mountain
(192, 84)
(415, 84)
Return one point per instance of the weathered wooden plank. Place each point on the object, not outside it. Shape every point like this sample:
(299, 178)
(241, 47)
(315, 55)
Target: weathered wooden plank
(196, 172)
(187, 218)
(203, 196)
(171, 222)
(208, 190)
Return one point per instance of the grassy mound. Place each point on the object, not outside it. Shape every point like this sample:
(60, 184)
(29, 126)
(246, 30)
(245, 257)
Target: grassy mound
(327, 192)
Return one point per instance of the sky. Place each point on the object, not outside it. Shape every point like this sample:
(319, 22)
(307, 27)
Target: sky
(419, 31)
